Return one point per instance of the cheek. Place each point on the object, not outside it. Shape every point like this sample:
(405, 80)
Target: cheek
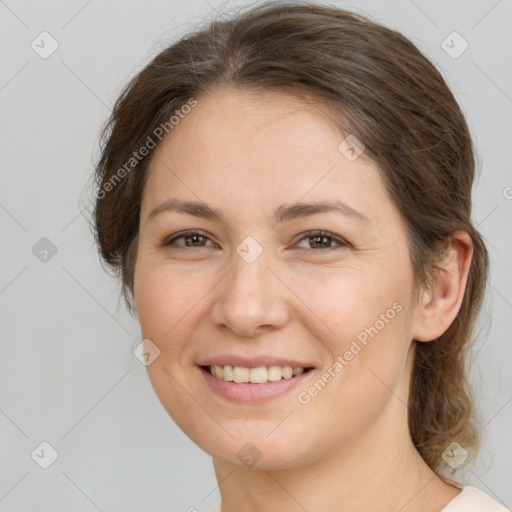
(159, 296)
(363, 327)
(165, 297)
(343, 302)
(168, 304)
(149, 295)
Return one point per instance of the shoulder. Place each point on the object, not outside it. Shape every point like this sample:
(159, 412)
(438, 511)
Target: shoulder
(216, 508)
(472, 499)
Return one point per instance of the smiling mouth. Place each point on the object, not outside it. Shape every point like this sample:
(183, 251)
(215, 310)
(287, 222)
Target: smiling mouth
(259, 375)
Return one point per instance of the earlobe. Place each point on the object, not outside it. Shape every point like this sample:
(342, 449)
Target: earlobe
(439, 304)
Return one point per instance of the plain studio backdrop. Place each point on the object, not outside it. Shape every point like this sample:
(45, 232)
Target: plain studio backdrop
(68, 376)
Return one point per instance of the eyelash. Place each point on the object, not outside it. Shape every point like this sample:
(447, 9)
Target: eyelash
(308, 234)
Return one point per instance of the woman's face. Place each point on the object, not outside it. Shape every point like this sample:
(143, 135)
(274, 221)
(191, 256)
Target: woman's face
(259, 281)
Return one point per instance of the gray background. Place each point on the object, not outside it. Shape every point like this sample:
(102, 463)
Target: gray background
(67, 372)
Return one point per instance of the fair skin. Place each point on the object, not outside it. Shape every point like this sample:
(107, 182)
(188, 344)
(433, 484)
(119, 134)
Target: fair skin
(349, 448)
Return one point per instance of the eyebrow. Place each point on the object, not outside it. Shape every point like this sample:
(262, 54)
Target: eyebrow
(283, 213)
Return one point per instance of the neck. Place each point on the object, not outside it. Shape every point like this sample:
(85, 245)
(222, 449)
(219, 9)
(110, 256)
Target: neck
(378, 470)
(354, 481)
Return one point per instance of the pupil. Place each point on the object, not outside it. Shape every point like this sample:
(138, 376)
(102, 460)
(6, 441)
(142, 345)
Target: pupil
(194, 237)
(315, 240)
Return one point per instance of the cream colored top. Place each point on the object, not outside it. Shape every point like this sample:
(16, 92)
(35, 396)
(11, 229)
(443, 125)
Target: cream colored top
(470, 499)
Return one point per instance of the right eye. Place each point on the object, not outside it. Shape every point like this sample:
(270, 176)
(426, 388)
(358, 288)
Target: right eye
(192, 237)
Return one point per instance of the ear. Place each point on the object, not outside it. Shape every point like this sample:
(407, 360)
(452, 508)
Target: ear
(439, 304)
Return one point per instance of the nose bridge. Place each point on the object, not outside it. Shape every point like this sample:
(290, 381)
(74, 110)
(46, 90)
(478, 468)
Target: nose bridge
(249, 297)
(250, 279)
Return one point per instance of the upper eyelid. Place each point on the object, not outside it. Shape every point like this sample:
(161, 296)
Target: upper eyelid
(188, 232)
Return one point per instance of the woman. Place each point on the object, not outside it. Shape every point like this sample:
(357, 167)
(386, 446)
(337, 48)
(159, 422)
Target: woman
(286, 196)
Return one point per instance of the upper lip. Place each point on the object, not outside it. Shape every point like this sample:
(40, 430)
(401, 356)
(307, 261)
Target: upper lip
(253, 362)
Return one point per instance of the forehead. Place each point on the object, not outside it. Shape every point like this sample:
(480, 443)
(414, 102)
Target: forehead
(257, 149)
(234, 125)
(227, 115)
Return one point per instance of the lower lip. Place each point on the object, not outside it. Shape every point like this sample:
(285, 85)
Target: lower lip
(248, 392)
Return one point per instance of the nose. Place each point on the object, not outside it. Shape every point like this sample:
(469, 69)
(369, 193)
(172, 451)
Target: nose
(251, 299)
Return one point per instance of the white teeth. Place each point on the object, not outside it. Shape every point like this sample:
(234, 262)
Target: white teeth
(239, 374)
(258, 375)
(228, 373)
(274, 373)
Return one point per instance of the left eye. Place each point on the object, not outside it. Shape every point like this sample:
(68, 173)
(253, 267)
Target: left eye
(319, 239)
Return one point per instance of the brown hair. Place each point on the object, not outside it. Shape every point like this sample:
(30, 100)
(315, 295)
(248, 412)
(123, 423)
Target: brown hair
(381, 88)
